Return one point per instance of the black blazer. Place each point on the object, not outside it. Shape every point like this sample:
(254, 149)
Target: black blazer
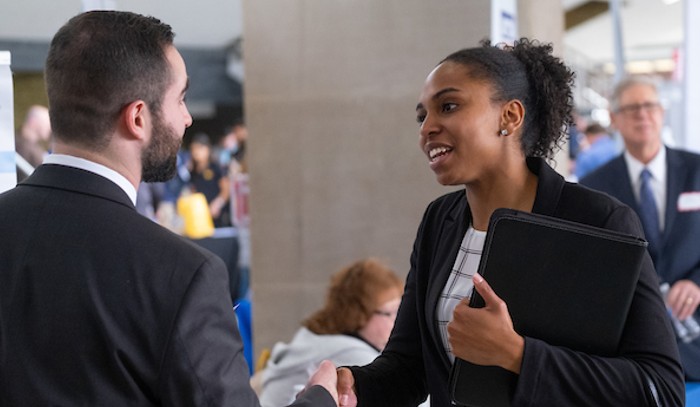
(414, 362)
(678, 256)
(101, 306)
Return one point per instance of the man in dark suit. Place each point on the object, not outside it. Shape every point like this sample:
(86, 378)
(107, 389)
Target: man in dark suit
(674, 183)
(99, 305)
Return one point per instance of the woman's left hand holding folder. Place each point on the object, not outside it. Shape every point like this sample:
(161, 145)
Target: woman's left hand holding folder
(485, 336)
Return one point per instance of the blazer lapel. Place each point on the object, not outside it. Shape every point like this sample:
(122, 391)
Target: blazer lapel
(448, 241)
(549, 186)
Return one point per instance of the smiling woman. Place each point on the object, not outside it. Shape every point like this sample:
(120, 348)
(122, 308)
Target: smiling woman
(489, 118)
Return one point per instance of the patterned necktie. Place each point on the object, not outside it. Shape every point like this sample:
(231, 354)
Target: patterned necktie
(648, 213)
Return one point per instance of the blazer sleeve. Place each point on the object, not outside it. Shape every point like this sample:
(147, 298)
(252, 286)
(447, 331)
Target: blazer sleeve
(204, 362)
(646, 371)
(377, 384)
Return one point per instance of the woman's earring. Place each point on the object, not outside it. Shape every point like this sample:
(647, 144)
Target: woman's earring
(503, 132)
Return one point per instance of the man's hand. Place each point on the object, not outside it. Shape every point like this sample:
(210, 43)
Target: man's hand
(485, 336)
(346, 388)
(324, 376)
(683, 298)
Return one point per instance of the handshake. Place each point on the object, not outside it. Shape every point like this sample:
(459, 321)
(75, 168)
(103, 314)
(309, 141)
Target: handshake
(338, 382)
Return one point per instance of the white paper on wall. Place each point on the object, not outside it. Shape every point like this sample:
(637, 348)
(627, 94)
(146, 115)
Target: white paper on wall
(8, 173)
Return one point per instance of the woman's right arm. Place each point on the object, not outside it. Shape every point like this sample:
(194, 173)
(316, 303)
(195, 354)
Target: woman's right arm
(397, 376)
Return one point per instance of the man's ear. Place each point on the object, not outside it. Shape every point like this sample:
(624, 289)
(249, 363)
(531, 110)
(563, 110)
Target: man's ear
(135, 118)
(512, 116)
(613, 121)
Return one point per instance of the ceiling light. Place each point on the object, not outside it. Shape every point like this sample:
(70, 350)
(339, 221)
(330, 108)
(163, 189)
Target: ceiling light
(643, 66)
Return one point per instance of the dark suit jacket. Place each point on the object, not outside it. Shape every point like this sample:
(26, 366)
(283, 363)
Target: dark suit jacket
(414, 362)
(101, 306)
(678, 252)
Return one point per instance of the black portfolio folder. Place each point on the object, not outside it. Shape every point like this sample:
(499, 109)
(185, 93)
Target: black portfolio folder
(566, 283)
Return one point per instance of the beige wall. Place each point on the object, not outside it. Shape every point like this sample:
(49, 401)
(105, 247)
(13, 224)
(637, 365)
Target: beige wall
(336, 173)
(544, 22)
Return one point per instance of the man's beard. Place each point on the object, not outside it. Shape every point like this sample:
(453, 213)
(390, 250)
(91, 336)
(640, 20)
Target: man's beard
(159, 158)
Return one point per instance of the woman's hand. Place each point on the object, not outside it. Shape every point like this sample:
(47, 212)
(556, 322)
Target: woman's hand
(325, 376)
(683, 298)
(346, 388)
(485, 336)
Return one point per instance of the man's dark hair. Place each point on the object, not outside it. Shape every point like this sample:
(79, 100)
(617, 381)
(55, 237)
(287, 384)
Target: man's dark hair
(594, 128)
(98, 63)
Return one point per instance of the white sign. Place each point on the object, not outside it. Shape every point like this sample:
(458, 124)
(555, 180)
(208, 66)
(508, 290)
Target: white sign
(504, 21)
(89, 5)
(8, 173)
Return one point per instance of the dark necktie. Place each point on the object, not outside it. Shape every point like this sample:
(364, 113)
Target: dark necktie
(648, 213)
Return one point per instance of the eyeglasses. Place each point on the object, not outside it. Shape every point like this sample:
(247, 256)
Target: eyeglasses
(633, 109)
(383, 313)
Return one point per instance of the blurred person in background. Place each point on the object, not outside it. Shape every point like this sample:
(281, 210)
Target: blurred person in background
(149, 197)
(352, 328)
(597, 149)
(671, 220)
(32, 139)
(209, 179)
(232, 147)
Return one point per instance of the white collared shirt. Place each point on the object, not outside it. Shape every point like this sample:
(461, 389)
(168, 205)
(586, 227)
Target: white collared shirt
(657, 168)
(95, 168)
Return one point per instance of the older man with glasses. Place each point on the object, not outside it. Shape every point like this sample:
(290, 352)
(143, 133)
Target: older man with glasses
(662, 185)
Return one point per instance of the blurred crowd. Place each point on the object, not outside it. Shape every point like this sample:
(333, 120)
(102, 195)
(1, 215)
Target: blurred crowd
(215, 170)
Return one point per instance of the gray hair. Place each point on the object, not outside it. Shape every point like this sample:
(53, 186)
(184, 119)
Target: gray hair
(629, 82)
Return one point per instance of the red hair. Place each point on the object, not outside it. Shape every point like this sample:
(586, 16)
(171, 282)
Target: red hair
(353, 296)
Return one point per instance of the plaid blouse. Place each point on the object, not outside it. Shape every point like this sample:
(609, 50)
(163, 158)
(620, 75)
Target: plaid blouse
(459, 285)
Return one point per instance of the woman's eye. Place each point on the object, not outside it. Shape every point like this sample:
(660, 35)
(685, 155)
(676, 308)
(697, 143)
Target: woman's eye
(420, 118)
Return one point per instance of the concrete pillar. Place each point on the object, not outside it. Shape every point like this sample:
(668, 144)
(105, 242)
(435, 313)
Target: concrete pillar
(335, 169)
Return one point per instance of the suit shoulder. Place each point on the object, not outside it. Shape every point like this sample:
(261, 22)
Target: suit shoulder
(687, 156)
(176, 245)
(601, 175)
(583, 204)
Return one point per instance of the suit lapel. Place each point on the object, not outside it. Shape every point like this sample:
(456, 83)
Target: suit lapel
(676, 175)
(621, 182)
